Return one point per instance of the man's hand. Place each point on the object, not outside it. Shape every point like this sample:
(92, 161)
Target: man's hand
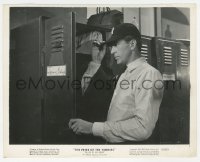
(98, 53)
(80, 126)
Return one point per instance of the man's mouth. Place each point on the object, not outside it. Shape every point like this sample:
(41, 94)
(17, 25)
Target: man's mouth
(117, 57)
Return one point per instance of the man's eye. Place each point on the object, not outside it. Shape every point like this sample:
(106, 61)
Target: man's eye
(114, 44)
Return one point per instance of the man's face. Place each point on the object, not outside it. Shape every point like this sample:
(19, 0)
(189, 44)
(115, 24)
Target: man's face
(121, 51)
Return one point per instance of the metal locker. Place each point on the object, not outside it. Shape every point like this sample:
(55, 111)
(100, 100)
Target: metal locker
(43, 65)
(183, 68)
(59, 73)
(166, 52)
(170, 125)
(183, 63)
(25, 109)
(146, 50)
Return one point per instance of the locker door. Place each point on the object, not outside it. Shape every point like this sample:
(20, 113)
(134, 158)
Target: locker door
(59, 100)
(170, 110)
(25, 110)
(183, 63)
(166, 52)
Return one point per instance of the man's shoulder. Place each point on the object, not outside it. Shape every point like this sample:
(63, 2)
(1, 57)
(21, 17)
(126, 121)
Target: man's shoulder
(148, 70)
(146, 67)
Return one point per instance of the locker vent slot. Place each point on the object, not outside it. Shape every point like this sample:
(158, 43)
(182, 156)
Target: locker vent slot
(57, 38)
(184, 57)
(144, 51)
(167, 55)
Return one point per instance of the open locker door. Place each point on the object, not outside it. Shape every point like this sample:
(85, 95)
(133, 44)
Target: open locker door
(25, 109)
(59, 73)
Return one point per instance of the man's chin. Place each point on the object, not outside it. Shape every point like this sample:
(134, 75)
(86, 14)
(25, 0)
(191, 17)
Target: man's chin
(119, 62)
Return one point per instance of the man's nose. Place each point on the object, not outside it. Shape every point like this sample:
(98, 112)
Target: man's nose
(113, 50)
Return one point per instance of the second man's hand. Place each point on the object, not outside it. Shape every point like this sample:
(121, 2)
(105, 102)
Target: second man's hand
(80, 126)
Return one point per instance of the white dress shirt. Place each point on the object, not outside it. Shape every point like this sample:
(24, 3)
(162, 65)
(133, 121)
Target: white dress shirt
(135, 104)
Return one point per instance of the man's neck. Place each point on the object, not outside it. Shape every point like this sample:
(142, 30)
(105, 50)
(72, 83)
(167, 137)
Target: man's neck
(133, 57)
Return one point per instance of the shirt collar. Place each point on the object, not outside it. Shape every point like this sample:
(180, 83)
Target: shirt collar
(134, 64)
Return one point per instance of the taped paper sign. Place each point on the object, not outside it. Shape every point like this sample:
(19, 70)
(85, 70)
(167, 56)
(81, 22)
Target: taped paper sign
(169, 77)
(56, 70)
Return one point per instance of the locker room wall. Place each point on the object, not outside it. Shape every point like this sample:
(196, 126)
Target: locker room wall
(179, 31)
(21, 15)
(147, 21)
(146, 18)
(179, 24)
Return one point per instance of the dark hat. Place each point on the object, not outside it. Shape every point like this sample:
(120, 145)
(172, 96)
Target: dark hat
(123, 30)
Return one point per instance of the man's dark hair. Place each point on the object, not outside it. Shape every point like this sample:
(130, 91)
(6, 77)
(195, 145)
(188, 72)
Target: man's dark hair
(128, 38)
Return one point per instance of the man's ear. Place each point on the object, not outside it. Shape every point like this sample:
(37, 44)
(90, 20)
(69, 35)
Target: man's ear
(133, 44)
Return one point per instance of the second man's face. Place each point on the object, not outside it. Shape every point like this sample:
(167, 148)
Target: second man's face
(121, 51)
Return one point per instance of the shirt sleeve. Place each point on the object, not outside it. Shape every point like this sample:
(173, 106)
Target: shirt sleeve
(89, 73)
(92, 68)
(148, 96)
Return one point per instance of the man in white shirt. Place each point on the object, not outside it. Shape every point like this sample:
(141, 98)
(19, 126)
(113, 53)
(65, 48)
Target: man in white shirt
(134, 107)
